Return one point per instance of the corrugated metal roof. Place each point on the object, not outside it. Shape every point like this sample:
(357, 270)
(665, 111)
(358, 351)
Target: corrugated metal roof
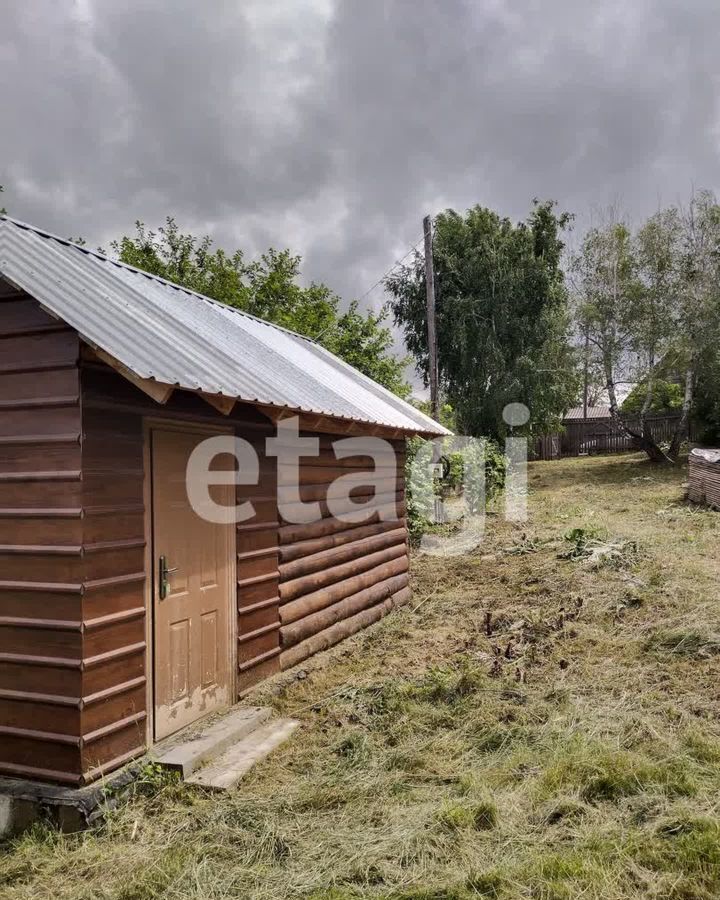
(164, 332)
(593, 412)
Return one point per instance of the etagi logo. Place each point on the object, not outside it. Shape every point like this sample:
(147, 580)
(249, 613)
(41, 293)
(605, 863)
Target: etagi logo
(355, 494)
(359, 492)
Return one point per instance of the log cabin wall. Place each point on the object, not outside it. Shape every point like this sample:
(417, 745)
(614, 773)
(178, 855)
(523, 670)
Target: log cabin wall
(114, 412)
(114, 713)
(41, 563)
(338, 577)
(73, 544)
(258, 578)
(73, 675)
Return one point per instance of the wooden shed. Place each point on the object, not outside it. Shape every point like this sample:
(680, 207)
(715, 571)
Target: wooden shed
(124, 615)
(592, 430)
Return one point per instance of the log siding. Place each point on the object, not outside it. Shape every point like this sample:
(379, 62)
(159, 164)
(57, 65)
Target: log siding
(74, 547)
(41, 639)
(337, 577)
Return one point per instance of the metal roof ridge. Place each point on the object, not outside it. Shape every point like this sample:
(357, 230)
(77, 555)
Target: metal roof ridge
(166, 281)
(138, 315)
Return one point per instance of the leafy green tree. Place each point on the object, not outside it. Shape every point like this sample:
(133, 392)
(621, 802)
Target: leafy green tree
(502, 317)
(698, 319)
(268, 288)
(363, 341)
(650, 305)
(187, 260)
(625, 286)
(707, 398)
(665, 397)
(447, 413)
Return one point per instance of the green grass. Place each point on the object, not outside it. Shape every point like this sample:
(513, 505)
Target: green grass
(685, 642)
(572, 752)
(481, 816)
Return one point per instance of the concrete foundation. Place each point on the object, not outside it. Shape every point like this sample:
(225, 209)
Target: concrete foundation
(70, 809)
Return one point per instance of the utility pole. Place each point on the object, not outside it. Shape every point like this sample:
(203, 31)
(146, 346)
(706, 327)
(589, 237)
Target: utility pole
(431, 330)
(432, 352)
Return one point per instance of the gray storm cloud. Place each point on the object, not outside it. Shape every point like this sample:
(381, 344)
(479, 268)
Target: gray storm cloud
(333, 128)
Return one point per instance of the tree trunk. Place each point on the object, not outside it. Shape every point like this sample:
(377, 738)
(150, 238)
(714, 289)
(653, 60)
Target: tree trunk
(644, 427)
(643, 440)
(681, 431)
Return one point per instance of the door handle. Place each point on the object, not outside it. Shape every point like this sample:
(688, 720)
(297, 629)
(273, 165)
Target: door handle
(164, 581)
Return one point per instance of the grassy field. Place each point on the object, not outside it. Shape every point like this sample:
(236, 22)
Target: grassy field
(542, 721)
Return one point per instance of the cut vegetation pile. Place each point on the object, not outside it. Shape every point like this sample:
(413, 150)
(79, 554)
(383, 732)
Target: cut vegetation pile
(541, 721)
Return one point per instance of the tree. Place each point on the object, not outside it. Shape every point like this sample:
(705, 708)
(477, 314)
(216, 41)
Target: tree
(268, 288)
(698, 334)
(649, 303)
(665, 397)
(707, 398)
(502, 317)
(625, 290)
(364, 342)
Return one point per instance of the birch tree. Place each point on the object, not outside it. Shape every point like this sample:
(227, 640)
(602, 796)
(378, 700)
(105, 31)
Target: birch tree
(698, 333)
(619, 316)
(650, 302)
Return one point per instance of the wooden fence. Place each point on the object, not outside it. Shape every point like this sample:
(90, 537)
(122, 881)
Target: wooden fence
(595, 436)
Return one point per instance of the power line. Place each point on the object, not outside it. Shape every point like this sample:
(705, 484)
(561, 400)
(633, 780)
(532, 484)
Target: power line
(391, 269)
(379, 281)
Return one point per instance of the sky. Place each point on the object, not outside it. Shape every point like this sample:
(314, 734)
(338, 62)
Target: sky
(333, 126)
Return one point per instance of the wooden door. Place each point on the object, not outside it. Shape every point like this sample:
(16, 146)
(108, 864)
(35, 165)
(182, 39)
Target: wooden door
(192, 628)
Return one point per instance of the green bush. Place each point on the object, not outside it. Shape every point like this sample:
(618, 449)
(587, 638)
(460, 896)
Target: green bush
(420, 487)
(463, 469)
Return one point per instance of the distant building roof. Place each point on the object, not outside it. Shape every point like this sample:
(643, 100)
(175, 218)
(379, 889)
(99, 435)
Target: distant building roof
(593, 412)
(175, 336)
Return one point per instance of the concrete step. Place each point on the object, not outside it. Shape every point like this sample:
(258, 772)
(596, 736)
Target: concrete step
(203, 742)
(225, 771)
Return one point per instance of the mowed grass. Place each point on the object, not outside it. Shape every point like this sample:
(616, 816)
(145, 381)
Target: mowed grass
(539, 722)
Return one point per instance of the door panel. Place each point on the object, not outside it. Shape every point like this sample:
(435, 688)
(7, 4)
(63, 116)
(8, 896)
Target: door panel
(193, 626)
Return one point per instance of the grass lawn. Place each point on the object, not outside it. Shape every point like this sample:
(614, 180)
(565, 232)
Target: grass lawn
(572, 752)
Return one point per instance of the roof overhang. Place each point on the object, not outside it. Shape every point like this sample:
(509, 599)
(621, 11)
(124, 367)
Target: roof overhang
(163, 337)
(160, 393)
